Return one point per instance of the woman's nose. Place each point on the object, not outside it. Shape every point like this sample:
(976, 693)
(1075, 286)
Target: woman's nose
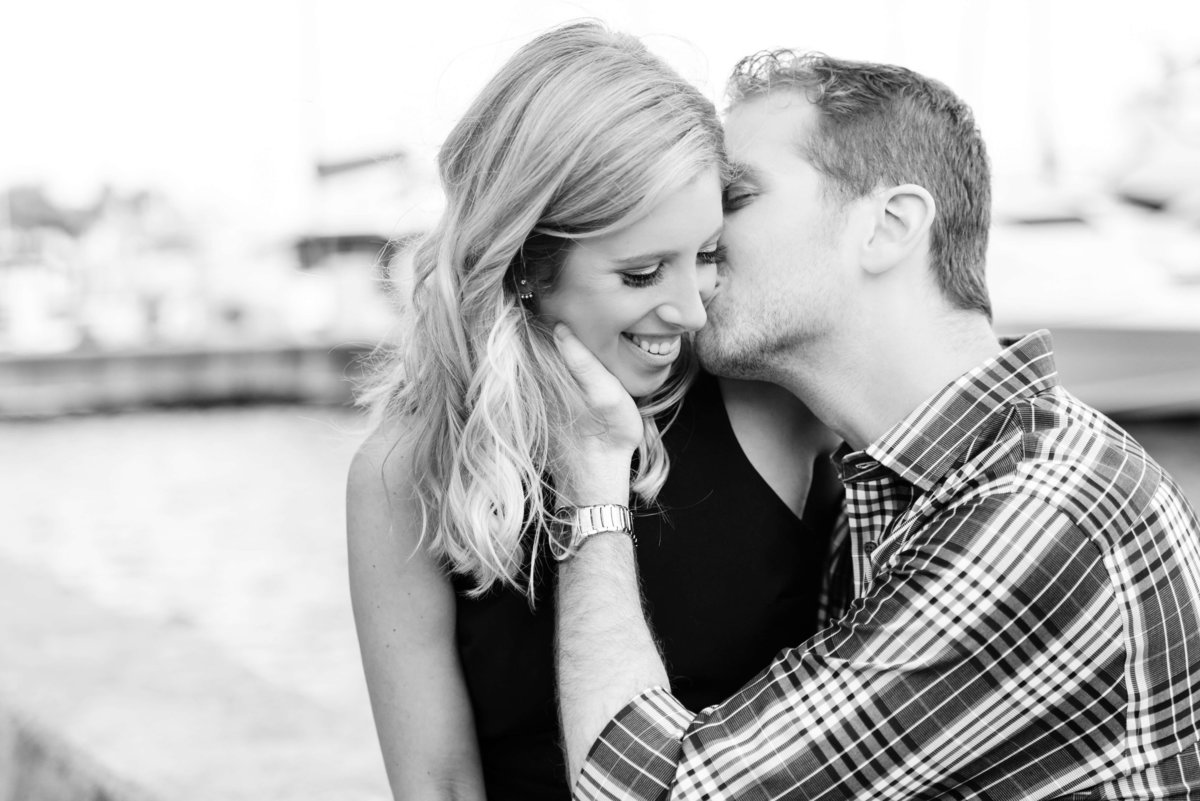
(685, 307)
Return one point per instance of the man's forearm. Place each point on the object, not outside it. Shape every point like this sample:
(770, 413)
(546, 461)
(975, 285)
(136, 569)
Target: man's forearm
(606, 654)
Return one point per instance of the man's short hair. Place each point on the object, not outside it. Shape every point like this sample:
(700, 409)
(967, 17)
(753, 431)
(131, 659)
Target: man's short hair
(883, 125)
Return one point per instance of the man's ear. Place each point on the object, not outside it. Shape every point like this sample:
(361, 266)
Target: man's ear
(902, 217)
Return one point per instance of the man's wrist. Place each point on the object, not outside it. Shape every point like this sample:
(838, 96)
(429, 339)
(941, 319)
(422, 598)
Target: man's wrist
(600, 482)
(581, 523)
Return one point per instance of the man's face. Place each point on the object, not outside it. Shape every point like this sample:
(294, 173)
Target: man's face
(783, 281)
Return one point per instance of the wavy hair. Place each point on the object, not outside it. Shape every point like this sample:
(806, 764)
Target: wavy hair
(582, 132)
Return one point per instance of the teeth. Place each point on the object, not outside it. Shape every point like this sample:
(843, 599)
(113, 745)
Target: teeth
(657, 347)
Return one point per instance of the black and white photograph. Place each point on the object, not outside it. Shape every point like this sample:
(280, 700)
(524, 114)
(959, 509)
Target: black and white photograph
(598, 400)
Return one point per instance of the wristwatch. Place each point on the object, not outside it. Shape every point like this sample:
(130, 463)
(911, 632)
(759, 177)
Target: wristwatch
(584, 521)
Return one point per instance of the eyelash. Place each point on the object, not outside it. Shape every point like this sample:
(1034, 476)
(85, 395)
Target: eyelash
(714, 256)
(638, 280)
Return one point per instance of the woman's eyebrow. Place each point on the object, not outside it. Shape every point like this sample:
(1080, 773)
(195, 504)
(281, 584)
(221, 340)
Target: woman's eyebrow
(642, 258)
(661, 255)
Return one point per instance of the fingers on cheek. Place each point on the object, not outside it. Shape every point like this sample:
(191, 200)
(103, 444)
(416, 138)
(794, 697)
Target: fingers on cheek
(583, 365)
(571, 349)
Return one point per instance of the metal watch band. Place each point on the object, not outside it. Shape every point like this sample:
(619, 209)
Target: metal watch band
(589, 520)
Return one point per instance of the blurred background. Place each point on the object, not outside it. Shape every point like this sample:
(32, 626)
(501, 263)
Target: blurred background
(197, 200)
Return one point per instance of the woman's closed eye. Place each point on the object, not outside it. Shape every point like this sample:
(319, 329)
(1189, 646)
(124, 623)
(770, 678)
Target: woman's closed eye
(648, 276)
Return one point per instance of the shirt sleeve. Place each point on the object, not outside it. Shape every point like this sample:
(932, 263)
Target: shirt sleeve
(974, 666)
(637, 753)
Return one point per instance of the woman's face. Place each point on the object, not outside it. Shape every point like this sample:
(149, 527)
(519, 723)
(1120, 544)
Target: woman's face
(631, 295)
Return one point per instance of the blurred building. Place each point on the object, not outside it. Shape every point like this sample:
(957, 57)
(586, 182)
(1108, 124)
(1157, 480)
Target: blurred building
(132, 270)
(129, 300)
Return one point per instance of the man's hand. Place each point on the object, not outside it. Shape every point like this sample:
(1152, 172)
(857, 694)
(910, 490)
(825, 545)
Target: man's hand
(605, 652)
(593, 463)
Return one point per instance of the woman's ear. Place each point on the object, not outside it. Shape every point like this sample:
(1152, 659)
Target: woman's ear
(902, 217)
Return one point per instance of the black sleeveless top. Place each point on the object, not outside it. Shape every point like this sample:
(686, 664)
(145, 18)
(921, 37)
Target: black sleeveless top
(730, 577)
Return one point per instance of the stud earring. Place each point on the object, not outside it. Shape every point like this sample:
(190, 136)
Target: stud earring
(524, 290)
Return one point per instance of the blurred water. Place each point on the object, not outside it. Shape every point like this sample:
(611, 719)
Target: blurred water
(230, 521)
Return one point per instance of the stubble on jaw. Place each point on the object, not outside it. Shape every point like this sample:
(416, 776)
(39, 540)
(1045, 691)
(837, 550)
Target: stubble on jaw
(728, 349)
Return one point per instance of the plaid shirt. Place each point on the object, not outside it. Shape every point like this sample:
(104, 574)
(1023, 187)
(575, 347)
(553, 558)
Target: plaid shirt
(1022, 622)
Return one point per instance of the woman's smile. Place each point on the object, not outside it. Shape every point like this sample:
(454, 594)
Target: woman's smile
(631, 295)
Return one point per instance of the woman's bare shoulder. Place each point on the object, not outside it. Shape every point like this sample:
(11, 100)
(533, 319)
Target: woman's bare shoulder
(384, 450)
(396, 580)
(380, 506)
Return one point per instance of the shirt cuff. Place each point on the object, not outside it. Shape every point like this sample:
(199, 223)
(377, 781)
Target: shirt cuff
(639, 750)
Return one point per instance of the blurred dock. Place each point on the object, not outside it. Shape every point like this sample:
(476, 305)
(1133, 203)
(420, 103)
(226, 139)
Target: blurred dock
(46, 385)
(1125, 371)
(1120, 295)
(1131, 372)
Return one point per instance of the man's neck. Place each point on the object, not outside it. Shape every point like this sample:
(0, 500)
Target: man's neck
(865, 384)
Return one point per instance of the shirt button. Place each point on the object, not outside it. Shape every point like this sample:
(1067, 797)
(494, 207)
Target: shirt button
(869, 547)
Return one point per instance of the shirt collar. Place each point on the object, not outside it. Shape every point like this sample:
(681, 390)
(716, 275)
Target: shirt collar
(938, 435)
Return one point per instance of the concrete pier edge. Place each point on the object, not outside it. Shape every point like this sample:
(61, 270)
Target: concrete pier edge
(98, 705)
(36, 763)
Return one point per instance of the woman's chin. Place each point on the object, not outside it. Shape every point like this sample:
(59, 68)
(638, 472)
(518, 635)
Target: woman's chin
(643, 386)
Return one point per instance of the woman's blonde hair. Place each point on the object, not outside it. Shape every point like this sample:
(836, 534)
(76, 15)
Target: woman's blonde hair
(582, 132)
